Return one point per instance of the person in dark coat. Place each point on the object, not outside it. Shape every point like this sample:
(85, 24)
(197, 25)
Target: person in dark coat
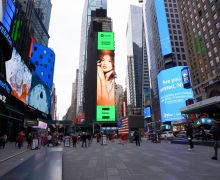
(215, 131)
(189, 135)
(83, 138)
(137, 138)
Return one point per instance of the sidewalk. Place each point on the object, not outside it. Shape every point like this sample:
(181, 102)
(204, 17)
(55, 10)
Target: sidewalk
(10, 151)
(11, 156)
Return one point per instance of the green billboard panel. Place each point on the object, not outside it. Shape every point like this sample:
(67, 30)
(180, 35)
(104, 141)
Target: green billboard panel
(105, 113)
(106, 41)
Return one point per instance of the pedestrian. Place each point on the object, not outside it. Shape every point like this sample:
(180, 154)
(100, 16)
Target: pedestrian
(215, 131)
(29, 140)
(49, 140)
(20, 139)
(74, 140)
(189, 135)
(83, 138)
(137, 138)
(89, 137)
(204, 135)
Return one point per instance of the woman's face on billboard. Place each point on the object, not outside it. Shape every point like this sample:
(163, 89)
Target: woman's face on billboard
(106, 63)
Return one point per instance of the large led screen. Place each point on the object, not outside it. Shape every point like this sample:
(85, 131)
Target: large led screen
(39, 95)
(105, 110)
(106, 41)
(163, 27)
(19, 77)
(172, 94)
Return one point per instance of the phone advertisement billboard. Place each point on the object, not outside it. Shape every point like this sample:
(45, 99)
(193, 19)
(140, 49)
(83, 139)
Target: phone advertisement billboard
(105, 104)
(172, 94)
(19, 77)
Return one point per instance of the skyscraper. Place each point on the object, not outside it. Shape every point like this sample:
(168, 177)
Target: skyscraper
(165, 45)
(86, 19)
(201, 27)
(134, 58)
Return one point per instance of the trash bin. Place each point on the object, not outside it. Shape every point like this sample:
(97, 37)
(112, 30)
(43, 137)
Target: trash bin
(35, 144)
(104, 140)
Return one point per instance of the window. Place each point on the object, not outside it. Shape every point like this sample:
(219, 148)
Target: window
(207, 45)
(217, 25)
(204, 28)
(209, 24)
(217, 59)
(213, 40)
(41, 57)
(210, 32)
(211, 63)
(213, 72)
(209, 54)
(45, 52)
(213, 8)
(202, 20)
(215, 16)
(219, 35)
(42, 73)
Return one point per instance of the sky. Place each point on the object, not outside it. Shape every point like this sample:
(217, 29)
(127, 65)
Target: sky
(65, 33)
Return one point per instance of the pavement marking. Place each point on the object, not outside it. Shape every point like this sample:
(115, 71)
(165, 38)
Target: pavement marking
(7, 158)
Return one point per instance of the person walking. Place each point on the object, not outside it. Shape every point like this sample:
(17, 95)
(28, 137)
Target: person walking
(83, 138)
(215, 131)
(74, 140)
(189, 135)
(137, 138)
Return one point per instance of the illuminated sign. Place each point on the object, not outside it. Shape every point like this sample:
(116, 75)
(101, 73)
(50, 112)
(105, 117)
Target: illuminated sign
(147, 97)
(147, 112)
(186, 77)
(9, 14)
(105, 113)
(163, 27)
(39, 94)
(105, 109)
(5, 86)
(172, 94)
(3, 98)
(19, 77)
(106, 41)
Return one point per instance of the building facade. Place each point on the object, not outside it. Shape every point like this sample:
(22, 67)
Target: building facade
(201, 25)
(165, 45)
(134, 59)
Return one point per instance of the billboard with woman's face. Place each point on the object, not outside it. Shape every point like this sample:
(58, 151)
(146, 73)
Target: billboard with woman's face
(19, 77)
(105, 110)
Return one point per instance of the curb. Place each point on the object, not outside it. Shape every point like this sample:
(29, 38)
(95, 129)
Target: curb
(2, 160)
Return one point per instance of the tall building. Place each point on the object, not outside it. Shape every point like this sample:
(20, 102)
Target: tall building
(164, 37)
(53, 107)
(99, 23)
(134, 58)
(201, 25)
(90, 5)
(74, 97)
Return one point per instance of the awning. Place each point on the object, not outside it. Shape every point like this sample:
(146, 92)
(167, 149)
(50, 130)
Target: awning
(211, 105)
(203, 121)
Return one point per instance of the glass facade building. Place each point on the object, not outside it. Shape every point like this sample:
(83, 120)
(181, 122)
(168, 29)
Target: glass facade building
(134, 58)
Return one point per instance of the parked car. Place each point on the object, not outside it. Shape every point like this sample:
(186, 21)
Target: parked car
(167, 135)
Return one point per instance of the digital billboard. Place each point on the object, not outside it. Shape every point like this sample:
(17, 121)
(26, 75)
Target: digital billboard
(39, 94)
(147, 112)
(163, 27)
(9, 15)
(147, 97)
(19, 77)
(44, 60)
(105, 104)
(106, 41)
(186, 77)
(172, 94)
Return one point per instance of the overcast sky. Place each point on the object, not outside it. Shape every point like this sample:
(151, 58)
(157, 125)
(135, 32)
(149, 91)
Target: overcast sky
(65, 32)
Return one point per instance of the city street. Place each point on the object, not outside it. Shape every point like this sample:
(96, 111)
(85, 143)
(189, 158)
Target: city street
(163, 161)
(114, 161)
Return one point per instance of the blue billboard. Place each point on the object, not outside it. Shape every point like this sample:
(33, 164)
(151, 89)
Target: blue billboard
(44, 60)
(172, 94)
(147, 112)
(163, 27)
